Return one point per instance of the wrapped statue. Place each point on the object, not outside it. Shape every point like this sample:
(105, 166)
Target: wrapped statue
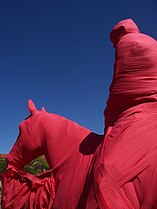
(116, 170)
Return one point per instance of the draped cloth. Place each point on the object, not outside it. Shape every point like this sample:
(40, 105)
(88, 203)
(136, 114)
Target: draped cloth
(23, 190)
(135, 70)
(124, 169)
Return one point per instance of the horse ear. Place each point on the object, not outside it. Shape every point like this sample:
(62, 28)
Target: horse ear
(43, 109)
(31, 107)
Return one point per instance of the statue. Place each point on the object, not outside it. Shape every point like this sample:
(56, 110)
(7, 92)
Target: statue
(116, 170)
(69, 149)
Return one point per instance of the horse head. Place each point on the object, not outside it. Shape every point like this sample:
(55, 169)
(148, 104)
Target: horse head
(54, 136)
(28, 145)
(69, 149)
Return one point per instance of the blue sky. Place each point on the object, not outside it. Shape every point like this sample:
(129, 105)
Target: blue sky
(58, 53)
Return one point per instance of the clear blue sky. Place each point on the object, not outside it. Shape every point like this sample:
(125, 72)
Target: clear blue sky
(58, 53)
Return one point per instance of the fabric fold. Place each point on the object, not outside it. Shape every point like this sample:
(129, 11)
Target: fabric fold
(23, 190)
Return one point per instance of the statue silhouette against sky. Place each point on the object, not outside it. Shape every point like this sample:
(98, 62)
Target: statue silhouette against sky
(117, 170)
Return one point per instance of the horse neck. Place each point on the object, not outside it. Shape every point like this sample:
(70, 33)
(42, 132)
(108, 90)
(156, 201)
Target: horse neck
(62, 138)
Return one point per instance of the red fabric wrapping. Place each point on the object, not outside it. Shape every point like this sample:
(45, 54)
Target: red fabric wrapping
(135, 70)
(69, 149)
(125, 171)
(121, 173)
(23, 190)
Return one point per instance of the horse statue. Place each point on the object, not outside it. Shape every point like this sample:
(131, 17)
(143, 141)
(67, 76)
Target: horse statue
(69, 149)
(117, 170)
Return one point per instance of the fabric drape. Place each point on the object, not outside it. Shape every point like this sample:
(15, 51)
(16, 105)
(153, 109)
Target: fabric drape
(23, 190)
(123, 167)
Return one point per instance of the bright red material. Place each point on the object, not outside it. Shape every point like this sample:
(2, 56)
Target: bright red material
(89, 171)
(135, 70)
(22, 190)
(69, 149)
(128, 177)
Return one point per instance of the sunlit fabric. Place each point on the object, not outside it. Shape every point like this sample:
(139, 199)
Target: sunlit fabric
(135, 70)
(128, 159)
(70, 151)
(23, 190)
(117, 170)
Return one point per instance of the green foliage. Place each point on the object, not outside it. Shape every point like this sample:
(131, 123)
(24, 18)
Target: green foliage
(3, 164)
(37, 166)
